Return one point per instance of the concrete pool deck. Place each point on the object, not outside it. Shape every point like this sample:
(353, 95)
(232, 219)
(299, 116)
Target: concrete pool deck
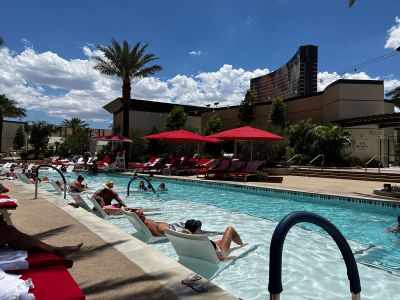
(113, 264)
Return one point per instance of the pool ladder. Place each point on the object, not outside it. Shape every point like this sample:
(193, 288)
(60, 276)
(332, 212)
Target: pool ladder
(278, 238)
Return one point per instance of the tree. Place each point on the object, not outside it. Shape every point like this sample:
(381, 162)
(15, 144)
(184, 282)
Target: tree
(176, 118)
(39, 135)
(74, 123)
(1, 41)
(127, 63)
(214, 124)
(19, 138)
(139, 146)
(75, 144)
(351, 2)
(9, 109)
(277, 116)
(302, 138)
(246, 107)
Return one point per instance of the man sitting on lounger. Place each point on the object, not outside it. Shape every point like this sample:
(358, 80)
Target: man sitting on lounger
(106, 195)
(77, 185)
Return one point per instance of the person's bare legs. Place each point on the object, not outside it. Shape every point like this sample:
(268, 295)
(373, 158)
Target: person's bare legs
(21, 241)
(230, 235)
(156, 228)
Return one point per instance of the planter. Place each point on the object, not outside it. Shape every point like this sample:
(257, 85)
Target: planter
(278, 171)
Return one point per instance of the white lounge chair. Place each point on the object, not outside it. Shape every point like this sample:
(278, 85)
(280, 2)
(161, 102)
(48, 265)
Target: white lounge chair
(98, 210)
(56, 187)
(142, 232)
(196, 252)
(23, 178)
(78, 198)
(70, 168)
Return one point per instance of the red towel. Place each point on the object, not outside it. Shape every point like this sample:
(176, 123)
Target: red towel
(51, 283)
(45, 259)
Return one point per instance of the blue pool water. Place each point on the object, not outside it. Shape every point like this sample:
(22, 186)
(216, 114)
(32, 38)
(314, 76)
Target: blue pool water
(255, 214)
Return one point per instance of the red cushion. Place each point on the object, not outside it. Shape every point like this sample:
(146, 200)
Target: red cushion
(5, 197)
(5, 190)
(51, 283)
(9, 204)
(45, 259)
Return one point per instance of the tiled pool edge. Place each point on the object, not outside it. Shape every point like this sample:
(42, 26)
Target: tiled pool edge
(146, 257)
(329, 196)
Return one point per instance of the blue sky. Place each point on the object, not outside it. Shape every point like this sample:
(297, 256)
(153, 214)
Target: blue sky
(208, 49)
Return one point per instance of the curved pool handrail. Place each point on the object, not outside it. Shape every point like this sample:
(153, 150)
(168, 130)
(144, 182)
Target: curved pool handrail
(142, 177)
(59, 172)
(278, 238)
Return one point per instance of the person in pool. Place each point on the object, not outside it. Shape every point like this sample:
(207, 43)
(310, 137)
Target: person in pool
(223, 246)
(77, 185)
(162, 187)
(142, 186)
(396, 227)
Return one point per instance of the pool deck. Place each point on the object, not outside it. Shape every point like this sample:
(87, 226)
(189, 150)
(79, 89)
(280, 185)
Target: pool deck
(114, 265)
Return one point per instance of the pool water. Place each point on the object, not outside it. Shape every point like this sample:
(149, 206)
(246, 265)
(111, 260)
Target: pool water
(312, 264)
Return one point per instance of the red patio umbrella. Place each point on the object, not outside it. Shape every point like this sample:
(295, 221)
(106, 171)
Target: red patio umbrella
(247, 133)
(181, 136)
(112, 138)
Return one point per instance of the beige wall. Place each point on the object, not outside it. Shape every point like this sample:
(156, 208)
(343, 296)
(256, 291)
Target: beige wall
(145, 121)
(342, 101)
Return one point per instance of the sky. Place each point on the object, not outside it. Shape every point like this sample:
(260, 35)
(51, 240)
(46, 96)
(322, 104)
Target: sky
(209, 50)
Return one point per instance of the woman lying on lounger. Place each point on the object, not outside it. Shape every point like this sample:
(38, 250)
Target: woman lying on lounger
(223, 246)
(158, 228)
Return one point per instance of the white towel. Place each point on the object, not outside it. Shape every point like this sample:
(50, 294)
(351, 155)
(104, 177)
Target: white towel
(2, 200)
(11, 287)
(11, 259)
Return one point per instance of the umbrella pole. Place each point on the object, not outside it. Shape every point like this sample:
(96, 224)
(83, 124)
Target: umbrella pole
(251, 152)
(234, 148)
(198, 149)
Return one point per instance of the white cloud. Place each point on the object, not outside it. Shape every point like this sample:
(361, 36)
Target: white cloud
(72, 88)
(393, 40)
(195, 53)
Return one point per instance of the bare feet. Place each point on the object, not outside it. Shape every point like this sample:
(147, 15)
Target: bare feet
(67, 250)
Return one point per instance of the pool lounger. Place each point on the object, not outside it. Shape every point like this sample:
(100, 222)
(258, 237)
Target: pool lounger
(24, 178)
(142, 232)
(79, 199)
(196, 252)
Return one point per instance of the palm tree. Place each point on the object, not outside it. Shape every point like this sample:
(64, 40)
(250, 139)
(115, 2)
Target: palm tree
(9, 109)
(351, 2)
(126, 63)
(1, 41)
(74, 123)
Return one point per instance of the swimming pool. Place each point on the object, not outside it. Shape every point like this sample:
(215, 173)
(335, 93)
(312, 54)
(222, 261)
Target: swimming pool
(312, 265)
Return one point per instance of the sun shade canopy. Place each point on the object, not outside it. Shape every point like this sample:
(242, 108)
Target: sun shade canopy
(112, 138)
(181, 136)
(246, 133)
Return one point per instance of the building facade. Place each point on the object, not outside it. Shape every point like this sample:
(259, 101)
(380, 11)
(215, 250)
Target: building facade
(298, 77)
(144, 115)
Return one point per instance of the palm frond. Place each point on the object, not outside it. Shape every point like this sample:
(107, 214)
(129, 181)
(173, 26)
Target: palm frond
(351, 2)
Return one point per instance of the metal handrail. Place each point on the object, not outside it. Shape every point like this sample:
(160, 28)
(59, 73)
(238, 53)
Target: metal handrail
(293, 157)
(278, 238)
(59, 172)
(142, 177)
(311, 161)
(368, 162)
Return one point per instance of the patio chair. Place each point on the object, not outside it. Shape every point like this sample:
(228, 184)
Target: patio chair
(153, 160)
(56, 187)
(142, 232)
(223, 167)
(196, 252)
(215, 163)
(251, 170)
